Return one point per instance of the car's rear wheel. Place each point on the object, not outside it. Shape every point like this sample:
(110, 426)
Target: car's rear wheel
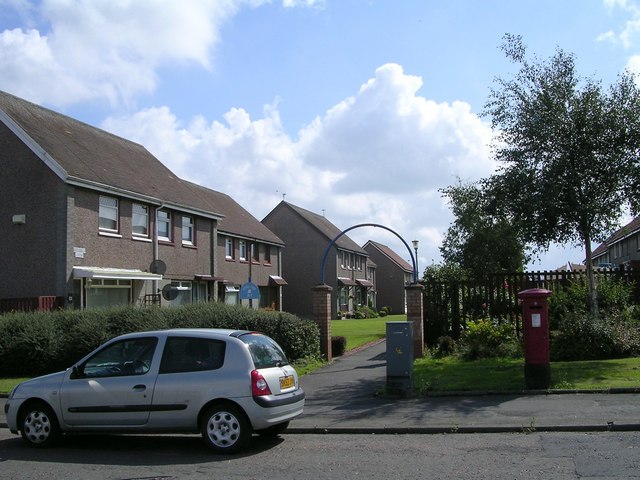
(39, 426)
(273, 431)
(225, 429)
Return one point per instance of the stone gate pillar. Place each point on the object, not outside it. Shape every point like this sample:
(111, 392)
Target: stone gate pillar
(415, 303)
(321, 299)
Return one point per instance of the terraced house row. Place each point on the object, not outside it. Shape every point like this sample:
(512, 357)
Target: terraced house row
(89, 219)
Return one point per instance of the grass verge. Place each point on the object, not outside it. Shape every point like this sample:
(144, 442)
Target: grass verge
(507, 375)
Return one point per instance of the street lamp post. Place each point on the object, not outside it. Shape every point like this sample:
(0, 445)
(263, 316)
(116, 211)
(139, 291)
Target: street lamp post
(415, 248)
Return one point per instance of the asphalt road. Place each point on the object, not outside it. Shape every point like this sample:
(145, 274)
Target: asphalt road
(373, 457)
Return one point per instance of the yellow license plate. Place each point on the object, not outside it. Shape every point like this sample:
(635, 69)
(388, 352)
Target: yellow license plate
(287, 382)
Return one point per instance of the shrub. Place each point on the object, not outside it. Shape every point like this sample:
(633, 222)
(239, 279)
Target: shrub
(446, 346)
(41, 342)
(485, 338)
(583, 337)
(338, 346)
(28, 343)
(614, 297)
(577, 335)
(365, 312)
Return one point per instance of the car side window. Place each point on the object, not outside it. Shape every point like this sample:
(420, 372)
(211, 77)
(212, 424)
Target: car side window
(126, 357)
(188, 354)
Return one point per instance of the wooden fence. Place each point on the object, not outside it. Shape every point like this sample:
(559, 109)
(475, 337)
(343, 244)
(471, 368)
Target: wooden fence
(448, 305)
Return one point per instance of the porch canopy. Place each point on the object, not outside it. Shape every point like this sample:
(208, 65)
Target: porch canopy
(277, 280)
(114, 273)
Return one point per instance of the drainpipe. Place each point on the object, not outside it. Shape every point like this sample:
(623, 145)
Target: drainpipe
(155, 245)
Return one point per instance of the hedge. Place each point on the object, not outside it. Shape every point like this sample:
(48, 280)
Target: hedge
(36, 343)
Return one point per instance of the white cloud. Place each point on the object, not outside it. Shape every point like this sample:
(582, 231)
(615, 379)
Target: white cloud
(303, 3)
(629, 34)
(388, 139)
(106, 50)
(101, 49)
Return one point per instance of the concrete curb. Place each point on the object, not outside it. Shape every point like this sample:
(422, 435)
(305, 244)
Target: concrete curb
(633, 427)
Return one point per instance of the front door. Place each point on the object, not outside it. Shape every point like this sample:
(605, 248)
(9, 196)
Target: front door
(113, 387)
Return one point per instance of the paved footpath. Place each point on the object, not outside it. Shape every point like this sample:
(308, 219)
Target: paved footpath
(341, 399)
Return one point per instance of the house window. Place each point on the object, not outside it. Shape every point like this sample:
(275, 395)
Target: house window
(267, 254)
(140, 220)
(255, 252)
(228, 248)
(108, 293)
(187, 230)
(183, 296)
(108, 214)
(243, 250)
(164, 225)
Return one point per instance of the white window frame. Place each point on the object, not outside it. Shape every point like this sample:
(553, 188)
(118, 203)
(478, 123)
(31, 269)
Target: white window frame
(166, 221)
(188, 230)
(106, 205)
(243, 250)
(228, 248)
(140, 220)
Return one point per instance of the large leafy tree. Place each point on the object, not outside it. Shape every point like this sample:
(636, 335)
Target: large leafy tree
(567, 149)
(479, 241)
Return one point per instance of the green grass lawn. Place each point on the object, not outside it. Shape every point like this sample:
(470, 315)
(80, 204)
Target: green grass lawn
(359, 332)
(6, 384)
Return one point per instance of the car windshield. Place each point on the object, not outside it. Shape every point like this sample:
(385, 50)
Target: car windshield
(265, 352)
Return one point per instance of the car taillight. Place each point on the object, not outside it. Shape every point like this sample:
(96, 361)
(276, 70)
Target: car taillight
(259, 385)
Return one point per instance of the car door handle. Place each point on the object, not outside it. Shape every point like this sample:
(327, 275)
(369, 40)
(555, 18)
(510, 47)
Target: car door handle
(140, 388)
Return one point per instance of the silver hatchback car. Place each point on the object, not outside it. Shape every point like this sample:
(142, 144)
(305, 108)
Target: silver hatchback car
(225, 384)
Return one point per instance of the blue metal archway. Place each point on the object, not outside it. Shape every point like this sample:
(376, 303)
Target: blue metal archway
(326, 252)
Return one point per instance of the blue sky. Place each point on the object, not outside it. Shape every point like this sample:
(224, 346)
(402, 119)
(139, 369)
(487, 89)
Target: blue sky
(358, 109)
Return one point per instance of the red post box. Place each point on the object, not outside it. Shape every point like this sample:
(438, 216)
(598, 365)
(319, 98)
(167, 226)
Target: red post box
(535, 306)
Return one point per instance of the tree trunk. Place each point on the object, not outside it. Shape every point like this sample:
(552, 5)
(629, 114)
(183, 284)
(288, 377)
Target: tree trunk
(591, 278)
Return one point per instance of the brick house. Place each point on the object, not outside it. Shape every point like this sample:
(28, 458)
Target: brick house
(393, 275)
(347, 269)
(622, 248)
(93, 219)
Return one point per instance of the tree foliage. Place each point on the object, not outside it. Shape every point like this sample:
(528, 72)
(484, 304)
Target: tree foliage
(478, 240)
(567, 149)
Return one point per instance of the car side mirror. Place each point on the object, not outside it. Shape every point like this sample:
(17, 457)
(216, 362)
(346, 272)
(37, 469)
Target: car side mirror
(77, 372)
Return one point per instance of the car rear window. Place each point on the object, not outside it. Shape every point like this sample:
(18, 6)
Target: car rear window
(265, 352)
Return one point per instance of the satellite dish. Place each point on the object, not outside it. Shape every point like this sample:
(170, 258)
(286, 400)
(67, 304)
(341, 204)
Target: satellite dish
(169, 292)
(158, 266)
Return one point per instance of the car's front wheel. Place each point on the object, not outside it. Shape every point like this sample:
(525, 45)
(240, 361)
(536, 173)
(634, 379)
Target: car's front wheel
(225, 429)
(39, 426)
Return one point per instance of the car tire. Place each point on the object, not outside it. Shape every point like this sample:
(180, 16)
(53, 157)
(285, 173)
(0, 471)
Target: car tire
(273, 431)
(39, 425)
(225, 429)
